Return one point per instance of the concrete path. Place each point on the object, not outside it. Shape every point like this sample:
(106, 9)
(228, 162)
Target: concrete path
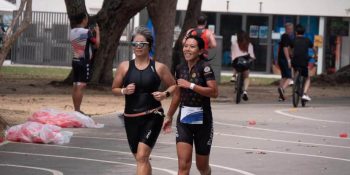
(250, 139)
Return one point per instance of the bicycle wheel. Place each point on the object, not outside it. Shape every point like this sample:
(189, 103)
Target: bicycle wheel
(239, 87)
(296, 90)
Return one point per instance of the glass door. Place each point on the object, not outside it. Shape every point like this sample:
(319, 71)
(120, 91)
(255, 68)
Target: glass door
(258, 29)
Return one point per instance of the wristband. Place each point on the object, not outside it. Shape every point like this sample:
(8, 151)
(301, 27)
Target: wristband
(122, 91)
(192, 86)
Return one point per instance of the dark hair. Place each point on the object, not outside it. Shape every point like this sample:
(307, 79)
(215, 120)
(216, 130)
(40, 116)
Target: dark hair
(202, 19)
(299, 29)
(145, 32)
(200, 43)
(78, 19)
(243, 41)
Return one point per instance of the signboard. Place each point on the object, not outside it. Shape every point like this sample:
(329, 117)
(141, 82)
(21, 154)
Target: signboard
(263, 31)
(254, 31)
(318, 41)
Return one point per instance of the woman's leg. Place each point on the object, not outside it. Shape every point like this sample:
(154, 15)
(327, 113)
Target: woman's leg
(184, 154)
(246, 80)
(142, 159)
(202, 162)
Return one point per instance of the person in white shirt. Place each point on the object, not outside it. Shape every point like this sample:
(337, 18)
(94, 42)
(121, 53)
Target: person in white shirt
(240, 48)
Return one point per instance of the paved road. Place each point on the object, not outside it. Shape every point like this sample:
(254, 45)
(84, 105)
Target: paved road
(284, 140)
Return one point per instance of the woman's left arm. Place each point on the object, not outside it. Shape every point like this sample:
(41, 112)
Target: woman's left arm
(168, 79)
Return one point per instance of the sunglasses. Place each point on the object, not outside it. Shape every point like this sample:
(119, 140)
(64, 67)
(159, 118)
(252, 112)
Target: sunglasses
(139, 44)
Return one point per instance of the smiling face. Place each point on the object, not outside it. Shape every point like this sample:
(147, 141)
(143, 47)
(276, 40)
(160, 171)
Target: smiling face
(191, 50)
(140, 45)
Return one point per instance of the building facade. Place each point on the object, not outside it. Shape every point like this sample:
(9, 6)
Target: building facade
(328, 20)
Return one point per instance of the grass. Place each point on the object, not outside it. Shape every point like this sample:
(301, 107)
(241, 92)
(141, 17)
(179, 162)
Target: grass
(33, 72)
(53, 73)
(253, 80)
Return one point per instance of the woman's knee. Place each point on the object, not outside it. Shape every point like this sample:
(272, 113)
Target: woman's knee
(184, 165)
(142, 158)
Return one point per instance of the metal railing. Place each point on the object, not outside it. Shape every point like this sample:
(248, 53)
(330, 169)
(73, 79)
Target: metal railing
(46, 42)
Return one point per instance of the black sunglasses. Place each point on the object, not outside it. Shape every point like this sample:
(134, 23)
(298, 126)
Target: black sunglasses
(139, 44)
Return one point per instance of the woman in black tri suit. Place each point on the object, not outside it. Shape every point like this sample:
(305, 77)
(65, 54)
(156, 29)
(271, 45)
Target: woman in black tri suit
(139, 80)
(196, 82)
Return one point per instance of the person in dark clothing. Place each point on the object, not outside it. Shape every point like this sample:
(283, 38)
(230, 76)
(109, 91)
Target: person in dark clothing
(284, 60)
(300, 60)
(139, 81)
(194, 124)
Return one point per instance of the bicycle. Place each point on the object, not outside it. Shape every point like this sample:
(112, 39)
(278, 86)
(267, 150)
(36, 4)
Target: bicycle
(298, 89)
(241, 64)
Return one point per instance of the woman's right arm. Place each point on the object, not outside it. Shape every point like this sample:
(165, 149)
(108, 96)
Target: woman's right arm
(118, 78)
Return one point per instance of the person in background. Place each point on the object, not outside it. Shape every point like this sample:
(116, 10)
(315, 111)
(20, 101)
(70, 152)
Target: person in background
(201, 31)
(241, 48)
(194, 124)
(82, 41)
(301, 58)
(284, 60)
(139, 80)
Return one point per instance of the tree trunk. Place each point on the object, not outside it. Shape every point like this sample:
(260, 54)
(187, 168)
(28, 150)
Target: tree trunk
(193, 11)
(113, 17)
(164, 24)
(11, 36)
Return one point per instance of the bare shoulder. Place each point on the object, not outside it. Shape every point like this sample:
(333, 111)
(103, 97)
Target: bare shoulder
(123, 66)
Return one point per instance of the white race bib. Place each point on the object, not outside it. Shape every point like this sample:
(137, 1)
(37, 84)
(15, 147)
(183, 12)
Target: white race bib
(191, 115)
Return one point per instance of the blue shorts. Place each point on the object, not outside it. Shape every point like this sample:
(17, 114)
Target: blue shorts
(285, 70)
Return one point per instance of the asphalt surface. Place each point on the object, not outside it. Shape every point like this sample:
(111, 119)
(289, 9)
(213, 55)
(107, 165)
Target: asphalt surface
(249, 139)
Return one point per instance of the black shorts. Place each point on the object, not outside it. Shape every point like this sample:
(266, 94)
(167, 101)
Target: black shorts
(285, 70)
(143, 129)
(200, 134)
(304, 71)
(82, 71)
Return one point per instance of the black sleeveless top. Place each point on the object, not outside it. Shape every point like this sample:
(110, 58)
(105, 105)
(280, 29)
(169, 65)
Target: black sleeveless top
(146, 82)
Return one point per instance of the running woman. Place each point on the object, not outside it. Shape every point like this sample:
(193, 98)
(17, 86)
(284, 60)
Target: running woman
(139, 81)
(194, 124)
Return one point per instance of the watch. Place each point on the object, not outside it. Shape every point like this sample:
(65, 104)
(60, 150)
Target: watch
(167, 93)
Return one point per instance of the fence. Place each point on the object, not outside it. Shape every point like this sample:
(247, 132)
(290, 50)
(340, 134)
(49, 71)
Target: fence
(46, 42)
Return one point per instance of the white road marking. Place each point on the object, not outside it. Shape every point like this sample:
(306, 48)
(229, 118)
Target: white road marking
(152, 155)
(54, 172)
(284, 141)
(283, 112)
(279, 152)
(87, 159)
(279, 131)
(245, 149)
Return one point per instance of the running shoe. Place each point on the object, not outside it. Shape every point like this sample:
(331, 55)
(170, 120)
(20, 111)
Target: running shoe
(291, 82)
(281, 92)
(306, 97)
(245, 96)
(233, 78)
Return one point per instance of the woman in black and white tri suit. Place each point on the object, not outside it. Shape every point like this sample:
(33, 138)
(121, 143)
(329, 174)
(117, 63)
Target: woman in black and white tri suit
(196, 82)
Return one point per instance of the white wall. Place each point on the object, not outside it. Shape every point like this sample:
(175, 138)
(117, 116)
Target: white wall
(92, 6)
(291, 7)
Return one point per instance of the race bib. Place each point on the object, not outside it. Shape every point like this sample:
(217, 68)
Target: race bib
(191, 115)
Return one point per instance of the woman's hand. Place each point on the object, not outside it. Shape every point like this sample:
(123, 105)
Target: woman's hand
(183, 83)
(159, 96)
(129, 89)
(167, 124)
